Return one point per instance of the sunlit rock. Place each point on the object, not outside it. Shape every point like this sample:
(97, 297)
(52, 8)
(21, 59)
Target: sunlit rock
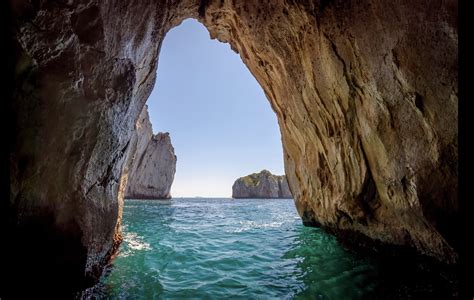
(261, 185)
(151, 173)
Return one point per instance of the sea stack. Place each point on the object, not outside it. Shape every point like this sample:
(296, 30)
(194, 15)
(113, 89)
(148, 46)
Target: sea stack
(261, 185)
(152, 169)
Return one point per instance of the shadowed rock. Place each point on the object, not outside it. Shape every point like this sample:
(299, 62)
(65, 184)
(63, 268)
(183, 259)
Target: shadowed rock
(365, 92)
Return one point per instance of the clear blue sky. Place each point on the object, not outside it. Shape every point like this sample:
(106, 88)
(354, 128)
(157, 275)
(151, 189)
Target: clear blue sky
(221, 124)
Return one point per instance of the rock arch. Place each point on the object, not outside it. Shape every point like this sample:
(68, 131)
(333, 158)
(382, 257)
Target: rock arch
(365, 93)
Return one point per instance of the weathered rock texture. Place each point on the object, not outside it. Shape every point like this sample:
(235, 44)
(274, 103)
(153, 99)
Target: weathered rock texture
(261, 185)
(365, 93)
(152, 170)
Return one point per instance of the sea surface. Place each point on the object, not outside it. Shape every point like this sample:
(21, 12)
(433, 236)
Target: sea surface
(200, 248)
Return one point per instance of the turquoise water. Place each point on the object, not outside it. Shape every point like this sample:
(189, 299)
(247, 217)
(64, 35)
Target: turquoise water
(200, 248)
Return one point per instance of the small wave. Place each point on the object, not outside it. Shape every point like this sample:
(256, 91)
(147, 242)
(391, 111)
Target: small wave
(135, 242)
(223, 249)
(248, 225)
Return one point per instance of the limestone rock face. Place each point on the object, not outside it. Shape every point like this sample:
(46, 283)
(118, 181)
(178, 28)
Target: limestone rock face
(365, 92)
(151, 173)
(261, 185)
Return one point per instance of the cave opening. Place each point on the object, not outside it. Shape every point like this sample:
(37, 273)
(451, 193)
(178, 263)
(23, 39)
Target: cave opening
(357, 107)
(221, 127)
(214, 116)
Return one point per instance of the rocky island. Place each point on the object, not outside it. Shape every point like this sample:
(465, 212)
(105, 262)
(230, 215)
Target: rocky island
(153, 165)
(261, 185)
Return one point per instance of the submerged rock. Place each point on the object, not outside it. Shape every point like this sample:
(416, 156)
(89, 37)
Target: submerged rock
(261, 185)
(151, 173)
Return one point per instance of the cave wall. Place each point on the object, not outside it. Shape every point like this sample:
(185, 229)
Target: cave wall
(366, 98)
(80, 84)
(365, 93)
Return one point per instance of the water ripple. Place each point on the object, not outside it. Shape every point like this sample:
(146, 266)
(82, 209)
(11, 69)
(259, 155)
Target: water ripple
(220, 248)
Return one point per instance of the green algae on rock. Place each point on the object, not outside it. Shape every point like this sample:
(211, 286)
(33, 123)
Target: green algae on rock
(261, 185)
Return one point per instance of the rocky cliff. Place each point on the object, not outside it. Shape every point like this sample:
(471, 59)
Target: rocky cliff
(365, 92)
(261, 185)
(152, 170)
